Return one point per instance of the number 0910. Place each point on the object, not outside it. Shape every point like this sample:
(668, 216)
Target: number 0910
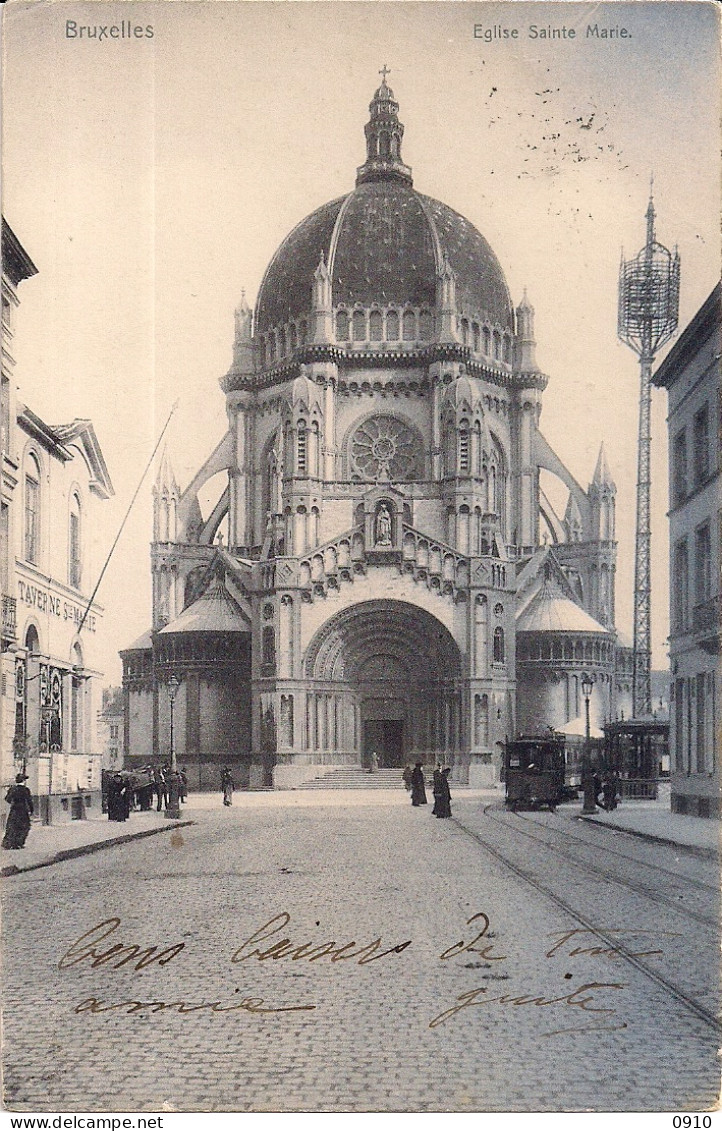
(692, 1121)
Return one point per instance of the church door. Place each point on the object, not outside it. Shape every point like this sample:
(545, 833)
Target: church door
(386, 738)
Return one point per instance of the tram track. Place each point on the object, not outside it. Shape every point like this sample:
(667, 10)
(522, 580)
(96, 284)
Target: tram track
(609, 875)
(611, 941)
(682, 877)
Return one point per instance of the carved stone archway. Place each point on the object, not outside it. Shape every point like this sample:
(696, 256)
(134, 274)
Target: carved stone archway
(397, 671)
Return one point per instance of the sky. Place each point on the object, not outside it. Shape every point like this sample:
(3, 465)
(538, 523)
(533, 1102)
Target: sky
(151, 180)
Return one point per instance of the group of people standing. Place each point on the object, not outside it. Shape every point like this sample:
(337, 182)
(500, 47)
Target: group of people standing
(139, 789)
(415, 783)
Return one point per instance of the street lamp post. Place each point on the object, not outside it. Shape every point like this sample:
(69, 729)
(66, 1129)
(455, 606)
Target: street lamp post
(590, 800)
(173, 808)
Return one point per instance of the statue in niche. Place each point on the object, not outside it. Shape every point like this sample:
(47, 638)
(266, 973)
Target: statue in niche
(383, 526)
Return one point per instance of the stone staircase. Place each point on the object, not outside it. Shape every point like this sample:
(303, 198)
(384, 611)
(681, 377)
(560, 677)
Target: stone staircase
(353, 777)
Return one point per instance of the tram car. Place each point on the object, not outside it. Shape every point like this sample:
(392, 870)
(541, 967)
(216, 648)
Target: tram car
(534, 771)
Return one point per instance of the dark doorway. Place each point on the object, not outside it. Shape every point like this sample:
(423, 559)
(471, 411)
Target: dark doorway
(386, 737)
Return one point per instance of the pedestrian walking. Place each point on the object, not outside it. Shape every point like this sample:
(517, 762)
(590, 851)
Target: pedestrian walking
(161, 788)
(442, 794)
(145, 793)
(117, 798)
(597, 787)
(609, 792)
(373, 762)
(20, 801)
(227, 785)
(183, 784)
(436, 785)
(418, 789)
(406, 776)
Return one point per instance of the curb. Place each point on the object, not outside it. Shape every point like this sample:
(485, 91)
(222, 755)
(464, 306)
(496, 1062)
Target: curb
(695, 850)
(93, 846)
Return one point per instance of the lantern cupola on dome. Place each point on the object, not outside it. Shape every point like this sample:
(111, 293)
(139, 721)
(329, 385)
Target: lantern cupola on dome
(384, 133)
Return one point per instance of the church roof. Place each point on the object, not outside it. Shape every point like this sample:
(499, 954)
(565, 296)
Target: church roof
(551, 611)
(81, 434)
(214, 611)
(384, 243)
(142, 644)
(577, 728)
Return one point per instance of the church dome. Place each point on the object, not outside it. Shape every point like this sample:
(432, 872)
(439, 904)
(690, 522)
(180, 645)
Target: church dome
(384, 243)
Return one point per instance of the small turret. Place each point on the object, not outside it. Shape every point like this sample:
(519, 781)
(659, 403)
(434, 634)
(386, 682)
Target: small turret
(602, 496)
(243, 338)
(166, 494)
(526, 342)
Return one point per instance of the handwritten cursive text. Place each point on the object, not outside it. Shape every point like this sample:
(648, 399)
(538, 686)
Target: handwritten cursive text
(245, 1005)
(309, 951)
(606, 951)
(462, 947)
(579, 998)
(117, 955)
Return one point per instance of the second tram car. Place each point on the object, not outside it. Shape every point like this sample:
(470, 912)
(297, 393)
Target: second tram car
(534, 771)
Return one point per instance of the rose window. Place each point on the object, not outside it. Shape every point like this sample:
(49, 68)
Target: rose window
(386, 448)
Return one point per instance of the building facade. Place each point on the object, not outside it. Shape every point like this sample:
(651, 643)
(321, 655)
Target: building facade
(691, 375)
(355, 586)
(54, 478)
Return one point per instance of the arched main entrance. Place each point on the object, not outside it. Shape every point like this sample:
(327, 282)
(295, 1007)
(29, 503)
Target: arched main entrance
(397, 669)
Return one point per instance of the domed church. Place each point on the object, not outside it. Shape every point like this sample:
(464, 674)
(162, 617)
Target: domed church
(355, 590)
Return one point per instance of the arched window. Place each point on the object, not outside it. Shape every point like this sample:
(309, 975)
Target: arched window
(497, 346)
(271, 347)
(487, 341)
(409, 326)
(465, 331)
(476, 449)
(476, 336)
(376, 327)
(359, 326)
(281, 343)
(32, 509)
(269, 651)
(263, 353)
(498, 646)
(303, 332)
(269, 485)
(507, 349)
(74, 556)
(301, 449)
(464, 456)
(342, 326)
(426, 326)
(392, 326)
(293, 334)
(384, 145)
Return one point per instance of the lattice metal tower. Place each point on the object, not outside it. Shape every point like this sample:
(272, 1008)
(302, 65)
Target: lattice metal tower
(647, 318)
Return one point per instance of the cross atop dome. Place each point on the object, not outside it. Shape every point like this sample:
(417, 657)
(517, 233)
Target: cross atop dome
(384, 133)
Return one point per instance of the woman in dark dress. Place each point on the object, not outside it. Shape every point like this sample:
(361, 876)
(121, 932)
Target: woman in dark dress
(442, 795)
(117, 804)
(418, 791)
(20, 801)
(227, 785)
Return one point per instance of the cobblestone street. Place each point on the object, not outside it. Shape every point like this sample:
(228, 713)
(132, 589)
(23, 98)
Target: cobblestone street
(356, 1027)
